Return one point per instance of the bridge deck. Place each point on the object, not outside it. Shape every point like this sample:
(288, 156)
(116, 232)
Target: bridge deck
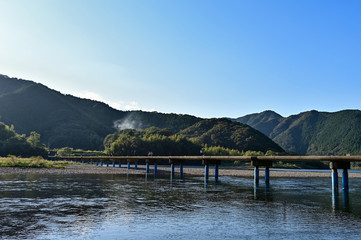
(222, 158)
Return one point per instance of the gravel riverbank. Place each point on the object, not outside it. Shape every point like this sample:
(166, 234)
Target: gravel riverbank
(165, 170)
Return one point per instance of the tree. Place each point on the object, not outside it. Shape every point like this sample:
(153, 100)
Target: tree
(34, 140)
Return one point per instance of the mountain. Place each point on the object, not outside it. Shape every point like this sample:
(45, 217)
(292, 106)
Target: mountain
(311, 132)
(264, 122)
(65, 120)
(229, 134)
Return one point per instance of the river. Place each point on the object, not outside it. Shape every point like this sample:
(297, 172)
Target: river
(133, 207)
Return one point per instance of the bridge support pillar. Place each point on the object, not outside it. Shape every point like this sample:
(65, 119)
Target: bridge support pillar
(135, 161)
(345, 179)
(266, 175)
(207, 163)
(155, 170)
(261, 163)
(113, 164)
(181, 171)
(101, 163)
(149, 161)
(174, 162)
(107, 164)
(206, 171)
(334, 165)
(120, 164)
(256, 175)
(216, 172)
(334, 178)
(172, 170)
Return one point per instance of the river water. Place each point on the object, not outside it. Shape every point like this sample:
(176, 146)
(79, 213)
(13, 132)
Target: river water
(133, 207)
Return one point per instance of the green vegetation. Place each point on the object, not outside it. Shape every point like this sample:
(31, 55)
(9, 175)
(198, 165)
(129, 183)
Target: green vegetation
(159, 141)
(215, 137)
(301, 165)
(312, 132)
(58, 120)
(67, 151)
(229, 135)
(33, 162)
(15, 144)
(67, 121)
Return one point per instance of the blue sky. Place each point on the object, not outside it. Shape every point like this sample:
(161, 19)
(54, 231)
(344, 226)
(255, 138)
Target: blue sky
(201, 57)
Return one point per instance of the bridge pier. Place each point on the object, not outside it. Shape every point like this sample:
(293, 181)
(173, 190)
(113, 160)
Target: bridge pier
(149, 161)
(172, 170)
(261, 163)
(181, 171)
(216, 171)
(345, 179)
(155, 169)
(345, 165)
(135, 161)
(206, 171)
(174, 162)
(207, 163)
(256, 175)
(266, 175)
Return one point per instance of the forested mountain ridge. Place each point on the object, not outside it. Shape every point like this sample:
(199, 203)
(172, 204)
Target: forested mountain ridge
(228, 134)
(65, 120)
(312, 132)
(68, 121)
(264, 122)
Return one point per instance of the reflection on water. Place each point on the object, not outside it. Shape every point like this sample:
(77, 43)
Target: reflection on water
(135, 207)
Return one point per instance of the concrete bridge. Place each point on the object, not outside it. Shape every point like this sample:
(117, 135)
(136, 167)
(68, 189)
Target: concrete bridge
(266, 162)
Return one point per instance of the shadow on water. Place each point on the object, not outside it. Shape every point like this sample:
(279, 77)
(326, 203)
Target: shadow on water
(133, 206)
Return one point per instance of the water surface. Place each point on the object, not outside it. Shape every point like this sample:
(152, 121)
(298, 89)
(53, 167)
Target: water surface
(133, 207)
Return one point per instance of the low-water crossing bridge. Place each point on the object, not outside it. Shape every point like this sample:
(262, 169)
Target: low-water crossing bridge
(266, 162)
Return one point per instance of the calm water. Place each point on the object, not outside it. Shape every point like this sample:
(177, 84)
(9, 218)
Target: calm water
(132, 207)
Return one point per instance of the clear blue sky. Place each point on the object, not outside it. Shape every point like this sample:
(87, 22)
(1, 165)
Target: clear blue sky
(201, 57)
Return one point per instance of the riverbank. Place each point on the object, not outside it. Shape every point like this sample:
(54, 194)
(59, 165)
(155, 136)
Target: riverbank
(165, 170)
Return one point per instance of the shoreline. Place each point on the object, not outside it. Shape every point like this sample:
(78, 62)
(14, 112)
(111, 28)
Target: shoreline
(165, 171)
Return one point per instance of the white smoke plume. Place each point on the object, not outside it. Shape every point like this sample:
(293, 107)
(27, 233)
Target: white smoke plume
(129, 122)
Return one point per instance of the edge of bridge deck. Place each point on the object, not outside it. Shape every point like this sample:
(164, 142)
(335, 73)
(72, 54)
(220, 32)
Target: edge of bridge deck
(225, 158)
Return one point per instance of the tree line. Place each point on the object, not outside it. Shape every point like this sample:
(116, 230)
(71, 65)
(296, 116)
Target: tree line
(160, 142)
(12, 143)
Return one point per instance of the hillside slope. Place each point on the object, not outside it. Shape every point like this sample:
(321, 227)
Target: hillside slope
(313, 132)
(232, 135)
(65, 120)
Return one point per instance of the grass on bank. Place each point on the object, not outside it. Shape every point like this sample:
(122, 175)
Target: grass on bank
(33, 162)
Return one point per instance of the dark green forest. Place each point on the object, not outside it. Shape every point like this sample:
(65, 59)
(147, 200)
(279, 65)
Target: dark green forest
(213, 135)
(312, 132)
(160, 142)
(15, 144)
(66, 121)
(228, 134)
